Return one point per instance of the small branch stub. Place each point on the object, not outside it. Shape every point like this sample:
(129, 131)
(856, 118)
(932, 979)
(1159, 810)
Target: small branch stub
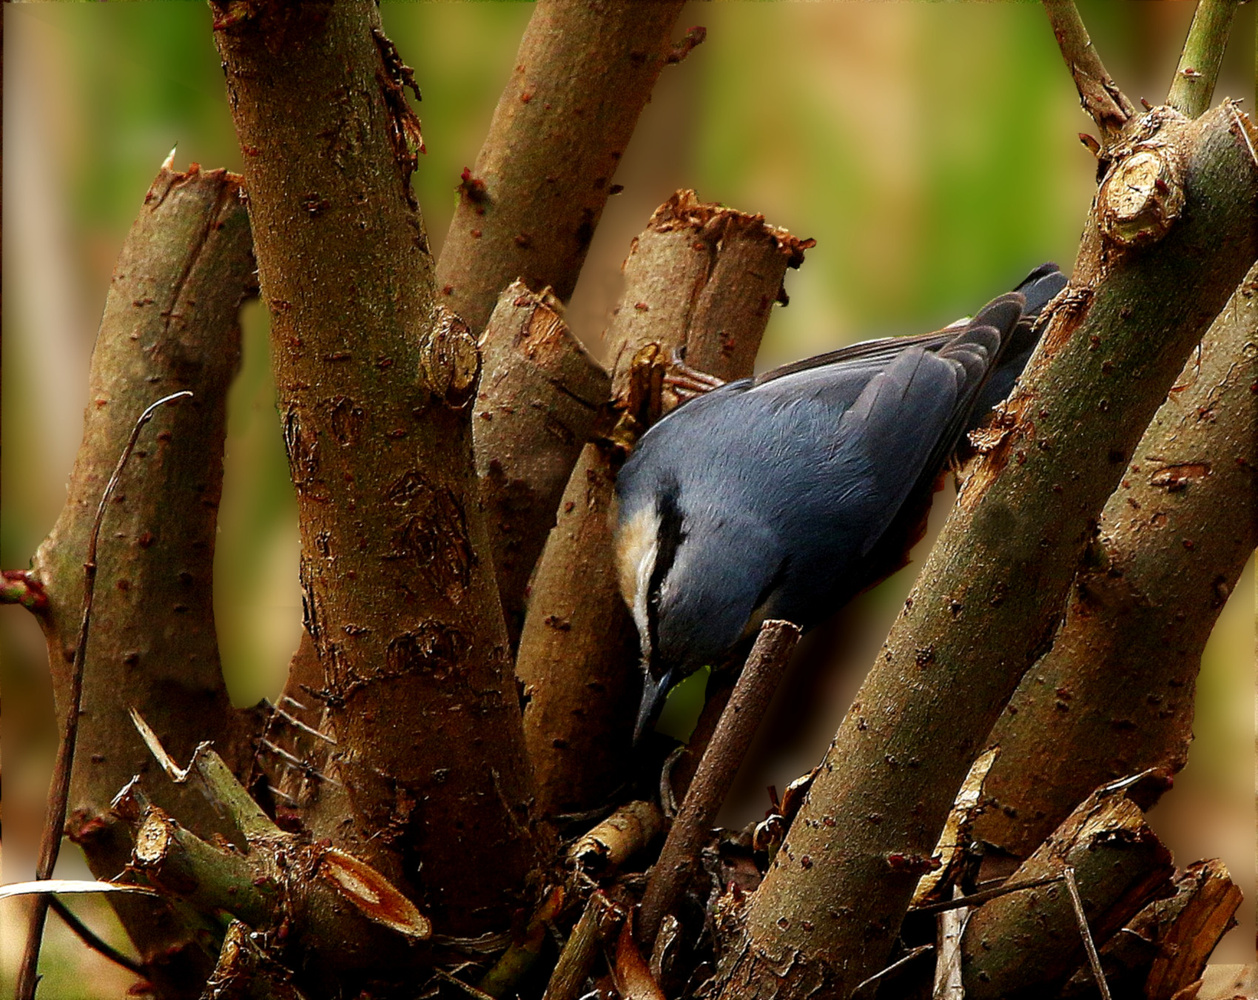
(449, 361)
(1141, 197)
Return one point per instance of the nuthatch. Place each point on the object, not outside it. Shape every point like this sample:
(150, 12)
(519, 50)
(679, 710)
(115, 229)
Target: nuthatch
(785, 495)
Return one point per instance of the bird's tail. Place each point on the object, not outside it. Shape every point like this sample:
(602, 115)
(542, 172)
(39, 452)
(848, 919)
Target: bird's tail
(1037, 288)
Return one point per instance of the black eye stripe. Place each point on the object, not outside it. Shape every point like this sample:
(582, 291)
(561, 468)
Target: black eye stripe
(668, 540)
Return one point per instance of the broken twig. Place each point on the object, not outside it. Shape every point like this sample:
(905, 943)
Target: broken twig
(59, 789)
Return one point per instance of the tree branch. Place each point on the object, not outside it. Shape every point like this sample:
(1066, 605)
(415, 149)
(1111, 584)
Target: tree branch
(989, 596)
(169, 324)
(59, 787)
(1115, 693)
(93, 940)
(1031, 938)
(528, 208)
(374, 386)
(700, 278)
(1104, 102)
(539, 396)
(1199, 63)
(679, 858)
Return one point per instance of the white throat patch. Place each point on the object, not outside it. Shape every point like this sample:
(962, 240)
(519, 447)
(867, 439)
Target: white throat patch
(637, 545)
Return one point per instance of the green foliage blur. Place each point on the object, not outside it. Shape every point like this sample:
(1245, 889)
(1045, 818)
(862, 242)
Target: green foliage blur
(930, 149)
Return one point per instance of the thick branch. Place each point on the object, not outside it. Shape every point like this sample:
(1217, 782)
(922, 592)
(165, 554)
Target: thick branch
(1115, 694)
(169, 324)
(988, 599)
(702, 278)
(374, 387)
(1028, 941)
(679, 858)
(1100, 96)
(528, 208)
(1199, 63)
(539, 395)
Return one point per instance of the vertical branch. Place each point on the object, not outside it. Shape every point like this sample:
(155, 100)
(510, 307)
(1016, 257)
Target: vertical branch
(375, 384)
(1199, 63)
(169, 324)
(528, 208)
(539, 395)
(699, 277)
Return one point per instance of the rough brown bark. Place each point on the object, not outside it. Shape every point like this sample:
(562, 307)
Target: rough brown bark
(374, 385)
(700, 277)
(529, 206)
(1025, 943)
(170, 323)
(1165, 947)
(1115, 693)
(989, 596)
(539, 395)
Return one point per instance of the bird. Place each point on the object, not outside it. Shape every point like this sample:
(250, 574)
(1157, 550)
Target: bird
(784, 495)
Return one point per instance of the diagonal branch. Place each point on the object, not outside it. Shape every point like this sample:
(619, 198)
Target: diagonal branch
(1115, 693)
(679, 858)
(988, 599)
(1104, 102)
(1199, 63)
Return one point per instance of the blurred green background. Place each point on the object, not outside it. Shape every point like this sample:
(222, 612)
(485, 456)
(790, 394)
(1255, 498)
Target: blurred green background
(930, 149)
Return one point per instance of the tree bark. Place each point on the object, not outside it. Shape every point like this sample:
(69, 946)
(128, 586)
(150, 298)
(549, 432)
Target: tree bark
(1026, 943)
(170, 323)
(1115, 693)
(529, 206)
(989, 596)
(702, 278)
(539, 396)
(374, 385)
(1166, 946)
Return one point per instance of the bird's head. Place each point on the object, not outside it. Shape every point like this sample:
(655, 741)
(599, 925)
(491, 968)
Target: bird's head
(694, 577)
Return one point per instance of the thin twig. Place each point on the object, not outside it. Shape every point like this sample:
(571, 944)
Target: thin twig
(1089, 945)
(976, 898)
(1102, 100)
(90, 938)
(1198, 69)
(296, 723)
(467, 988)
(59, 789)
(895, 966)
(951, 928)
(717, 770)
(294, 761)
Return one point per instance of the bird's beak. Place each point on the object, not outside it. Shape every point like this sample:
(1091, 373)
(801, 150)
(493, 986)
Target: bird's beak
(653, 694)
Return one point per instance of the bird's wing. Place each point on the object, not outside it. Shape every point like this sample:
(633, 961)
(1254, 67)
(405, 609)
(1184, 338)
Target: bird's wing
(901, 418)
